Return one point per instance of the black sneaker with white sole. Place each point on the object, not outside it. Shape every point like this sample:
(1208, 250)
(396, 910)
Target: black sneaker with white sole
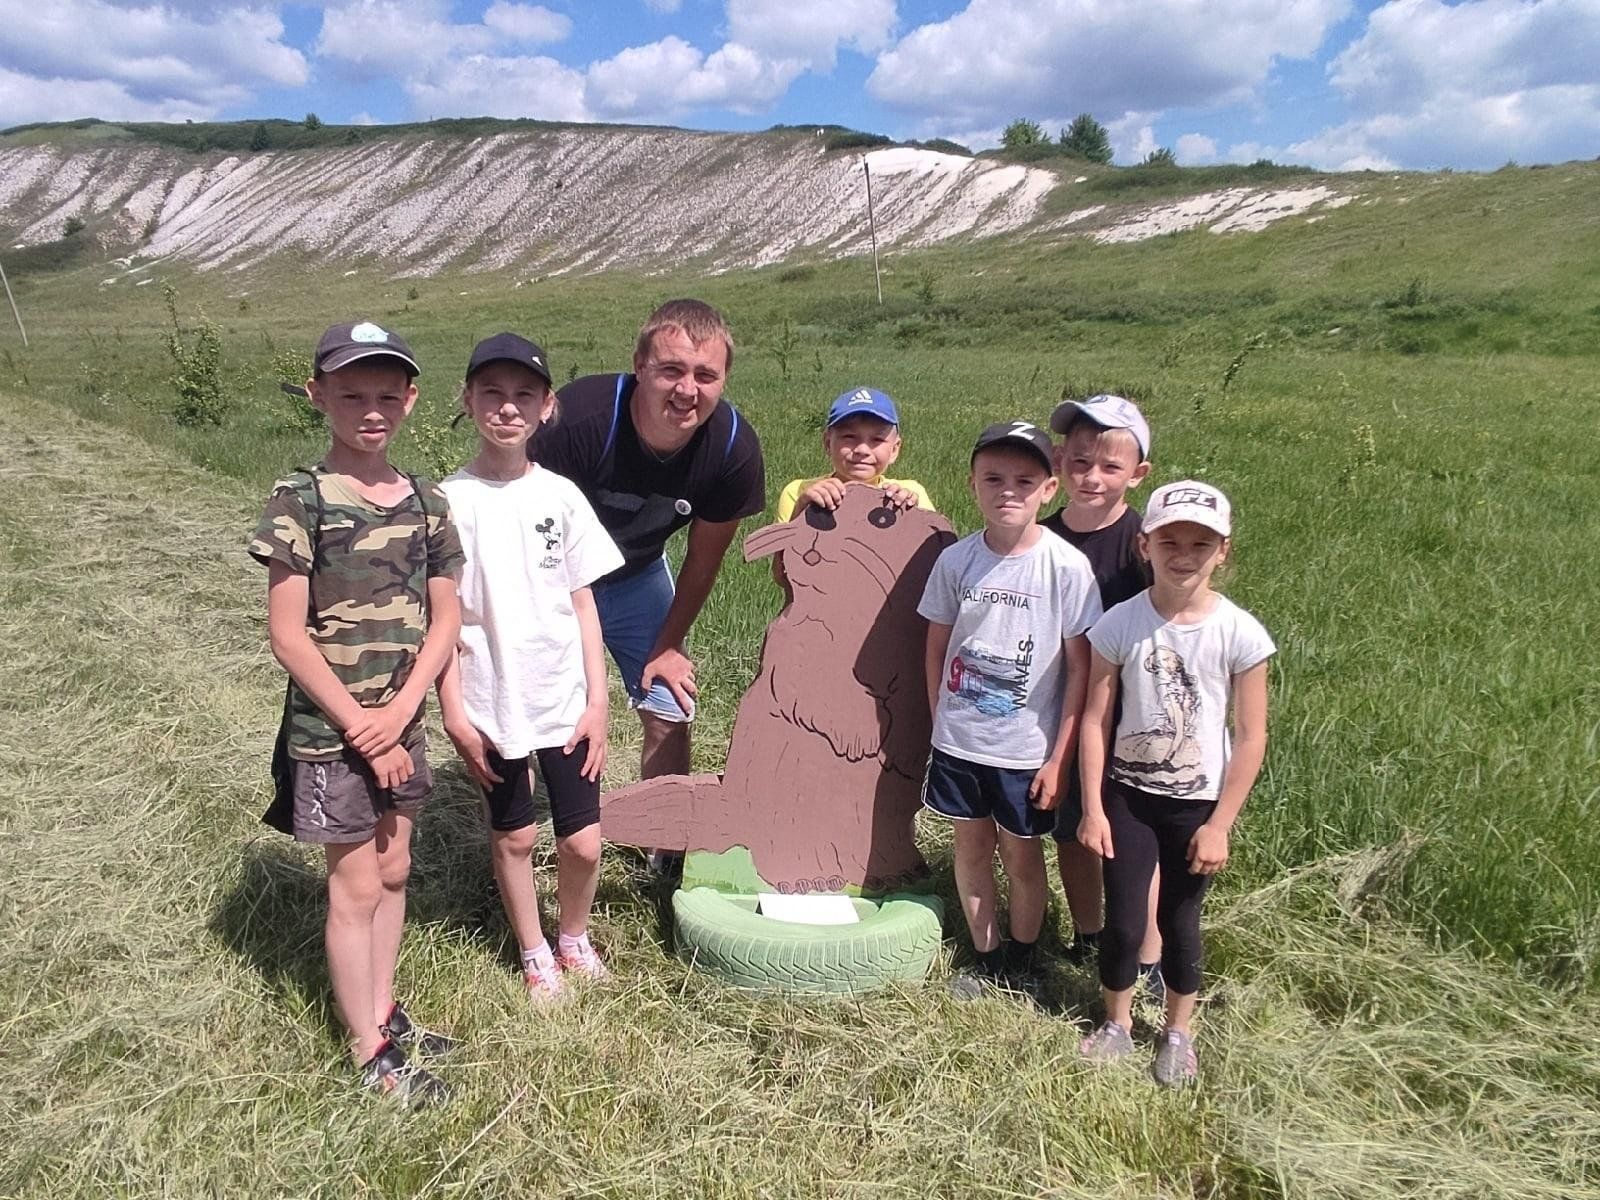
(389, 1073)
(401, 1030)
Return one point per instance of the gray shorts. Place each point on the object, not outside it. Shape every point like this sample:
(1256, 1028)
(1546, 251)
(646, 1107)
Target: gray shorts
(338, 801)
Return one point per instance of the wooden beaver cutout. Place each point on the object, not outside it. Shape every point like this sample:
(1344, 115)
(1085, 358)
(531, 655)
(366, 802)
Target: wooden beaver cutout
(825, 767)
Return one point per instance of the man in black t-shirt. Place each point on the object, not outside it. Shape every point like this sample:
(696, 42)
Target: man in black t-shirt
(654, 451)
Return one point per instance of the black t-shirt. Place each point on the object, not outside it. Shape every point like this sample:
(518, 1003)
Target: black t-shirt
(641, 500)
(1113, 554)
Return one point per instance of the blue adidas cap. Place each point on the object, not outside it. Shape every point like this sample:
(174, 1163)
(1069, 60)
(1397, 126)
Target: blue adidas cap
(870, 401)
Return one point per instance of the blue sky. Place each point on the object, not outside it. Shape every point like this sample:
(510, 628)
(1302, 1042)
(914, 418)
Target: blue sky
(1333, 83)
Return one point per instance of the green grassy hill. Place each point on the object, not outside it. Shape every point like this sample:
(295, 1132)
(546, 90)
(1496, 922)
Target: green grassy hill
(1400, 398)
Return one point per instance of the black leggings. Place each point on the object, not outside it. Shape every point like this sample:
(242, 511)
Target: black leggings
(1147, 829)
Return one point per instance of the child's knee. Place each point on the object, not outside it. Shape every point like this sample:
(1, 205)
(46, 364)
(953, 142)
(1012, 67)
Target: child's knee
(580, 850)
(394, 868)
(515, 844)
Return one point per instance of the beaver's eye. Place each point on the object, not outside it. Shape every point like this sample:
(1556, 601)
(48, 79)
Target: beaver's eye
(883, 517)
(820, 518)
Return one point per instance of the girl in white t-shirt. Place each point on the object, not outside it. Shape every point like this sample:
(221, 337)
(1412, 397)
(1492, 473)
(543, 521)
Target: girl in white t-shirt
(528, 680)
(1165, 786)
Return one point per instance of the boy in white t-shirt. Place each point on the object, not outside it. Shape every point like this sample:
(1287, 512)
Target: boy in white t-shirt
(1007, 660)
(528, 681)
(1162, 784)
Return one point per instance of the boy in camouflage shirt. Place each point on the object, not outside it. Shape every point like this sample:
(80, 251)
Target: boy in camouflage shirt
(362, 612)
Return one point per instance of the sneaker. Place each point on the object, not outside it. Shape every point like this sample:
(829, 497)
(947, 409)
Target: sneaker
(1107, 1044)
(970, 985)
(1082, 950)
(581, 959)
(401, 1030)
(1151, 989)
(544, 983)
(1174, 1064)
(389, 1073)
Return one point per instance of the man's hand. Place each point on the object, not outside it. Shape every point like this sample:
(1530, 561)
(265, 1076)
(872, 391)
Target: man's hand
(378, 730)
(392, 767)
(897, 496)
(1044, 792)
(1094, 833)
(675, 669)
(591, 725)
(826, 492)
(473, 748)
(1208, 850)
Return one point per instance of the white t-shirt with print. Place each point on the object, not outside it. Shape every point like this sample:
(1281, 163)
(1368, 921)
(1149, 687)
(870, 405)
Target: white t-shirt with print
(1004, 672)
(1176, 681)
(530, 543)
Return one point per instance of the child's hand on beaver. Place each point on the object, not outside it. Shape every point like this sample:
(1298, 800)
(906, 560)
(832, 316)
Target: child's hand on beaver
(827, 492)
(897, 496)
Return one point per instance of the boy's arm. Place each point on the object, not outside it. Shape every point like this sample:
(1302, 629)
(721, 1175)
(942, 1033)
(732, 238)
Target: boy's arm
(596, 711)
(382, 727)
(1208, 849)
(1047, 782)
(288, 595)
(937, 646)
(1100, 698)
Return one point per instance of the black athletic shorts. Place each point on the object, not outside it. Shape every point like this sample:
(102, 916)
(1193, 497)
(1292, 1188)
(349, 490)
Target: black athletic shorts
(574, 800)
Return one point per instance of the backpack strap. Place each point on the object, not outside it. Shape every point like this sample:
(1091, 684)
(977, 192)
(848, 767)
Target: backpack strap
(732, 434)
(616, 415)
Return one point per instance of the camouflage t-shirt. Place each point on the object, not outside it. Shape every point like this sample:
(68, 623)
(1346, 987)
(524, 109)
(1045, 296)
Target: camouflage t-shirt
(368, 589)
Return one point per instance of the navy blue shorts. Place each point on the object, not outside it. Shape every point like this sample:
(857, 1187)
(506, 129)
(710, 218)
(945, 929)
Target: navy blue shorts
(1069, 812)
(969, 791)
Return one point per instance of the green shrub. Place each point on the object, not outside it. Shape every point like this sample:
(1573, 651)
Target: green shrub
(197, 367)
(73, 225)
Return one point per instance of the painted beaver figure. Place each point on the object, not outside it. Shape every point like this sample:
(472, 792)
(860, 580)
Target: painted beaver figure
(825, 767)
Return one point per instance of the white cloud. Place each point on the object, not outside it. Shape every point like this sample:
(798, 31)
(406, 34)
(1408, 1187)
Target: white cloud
(813, 31)
(663, 6)
(527, 22)
(1193, 149)
(1469, 84)
(500, 86)
(998, 58)
(93, 57)
(363, 118)
(28, 98)
(1132, 137)
(670, 76)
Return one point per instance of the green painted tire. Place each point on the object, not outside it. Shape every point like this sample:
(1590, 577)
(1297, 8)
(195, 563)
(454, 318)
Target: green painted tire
(896, 939)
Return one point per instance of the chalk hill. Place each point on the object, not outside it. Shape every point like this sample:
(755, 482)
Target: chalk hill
(569, 199)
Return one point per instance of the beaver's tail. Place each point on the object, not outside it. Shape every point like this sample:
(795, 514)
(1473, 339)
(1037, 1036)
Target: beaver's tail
(669, 812)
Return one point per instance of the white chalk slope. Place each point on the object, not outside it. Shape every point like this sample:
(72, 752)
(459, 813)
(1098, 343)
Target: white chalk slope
(553, 202)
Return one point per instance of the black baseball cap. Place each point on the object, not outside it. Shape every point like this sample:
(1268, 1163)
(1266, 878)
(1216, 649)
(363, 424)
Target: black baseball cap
(508, 347)
(345, 344)
(1023, 435)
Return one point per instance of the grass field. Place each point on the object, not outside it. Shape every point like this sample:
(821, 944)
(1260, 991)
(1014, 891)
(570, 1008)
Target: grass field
(1399, 398)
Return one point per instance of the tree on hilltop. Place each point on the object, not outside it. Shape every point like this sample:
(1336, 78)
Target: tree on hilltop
(1160, 157)
(1022, 132)
(1086, 138)
(260, 139)
(312, 121)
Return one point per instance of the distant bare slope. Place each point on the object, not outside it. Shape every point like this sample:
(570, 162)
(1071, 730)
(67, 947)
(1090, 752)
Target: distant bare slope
(546, 202)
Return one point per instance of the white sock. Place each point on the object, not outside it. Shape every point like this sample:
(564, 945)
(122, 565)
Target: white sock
(538, 958)
(569, 944)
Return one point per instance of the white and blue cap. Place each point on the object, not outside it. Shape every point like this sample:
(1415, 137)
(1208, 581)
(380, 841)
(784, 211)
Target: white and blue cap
(859, 401)
(344, 344)
(1108, 412)
(1189, 500)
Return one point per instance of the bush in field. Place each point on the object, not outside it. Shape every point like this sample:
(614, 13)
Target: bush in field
(71, 226)
(197, 367)
(260, 139)
(1160, 157)
(1022, 132)
(312, 122)
(291, 369)
(1086, 138)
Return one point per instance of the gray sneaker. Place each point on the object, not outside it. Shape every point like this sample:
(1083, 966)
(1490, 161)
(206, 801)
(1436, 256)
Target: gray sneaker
(1107, 1044)
(1174, 1064)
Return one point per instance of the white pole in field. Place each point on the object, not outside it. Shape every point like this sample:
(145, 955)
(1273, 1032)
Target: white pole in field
(872, 223)
(18, 315)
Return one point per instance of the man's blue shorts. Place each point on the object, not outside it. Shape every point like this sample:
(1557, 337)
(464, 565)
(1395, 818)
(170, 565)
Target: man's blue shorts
(969, 791)
(632, 611)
